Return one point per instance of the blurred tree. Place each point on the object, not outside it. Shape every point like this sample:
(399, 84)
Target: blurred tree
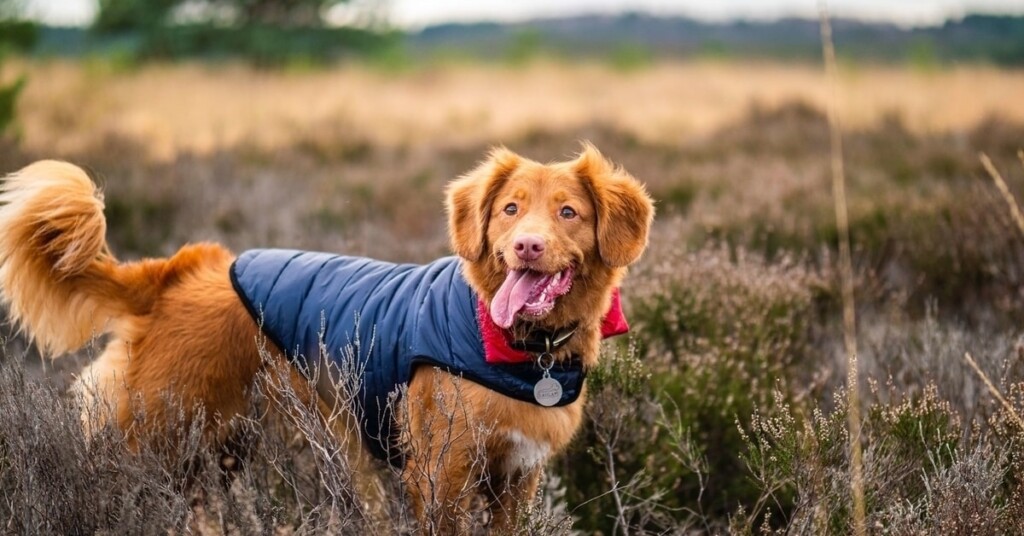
(116, 16)
(129, 15)
(11, 9)
(266, 32)
(280, 12)
(15, 35)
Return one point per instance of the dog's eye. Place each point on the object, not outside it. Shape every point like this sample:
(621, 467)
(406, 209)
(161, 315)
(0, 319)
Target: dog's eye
(567, 213)
(511, 209)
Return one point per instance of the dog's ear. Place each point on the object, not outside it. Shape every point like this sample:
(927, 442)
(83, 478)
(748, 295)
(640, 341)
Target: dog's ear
(624, 210)
(469, 200)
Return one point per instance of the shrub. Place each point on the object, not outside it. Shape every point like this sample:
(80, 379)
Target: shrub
(715, 333)
(14, 36)
(286, 466)
(922, 474)
(8, 96)
(634, 458)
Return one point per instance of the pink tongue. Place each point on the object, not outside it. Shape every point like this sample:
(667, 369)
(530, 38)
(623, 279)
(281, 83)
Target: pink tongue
(513, 295)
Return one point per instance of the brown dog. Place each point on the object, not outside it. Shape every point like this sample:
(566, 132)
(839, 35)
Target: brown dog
(543, 247)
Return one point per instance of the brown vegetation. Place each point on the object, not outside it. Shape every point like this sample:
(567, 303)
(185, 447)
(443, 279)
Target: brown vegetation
(726, 411)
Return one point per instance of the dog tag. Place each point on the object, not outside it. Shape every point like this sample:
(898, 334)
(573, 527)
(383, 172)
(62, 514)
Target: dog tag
(547, 392)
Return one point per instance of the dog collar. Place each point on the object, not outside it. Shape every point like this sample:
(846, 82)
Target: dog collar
(542, 341)
(501, 348)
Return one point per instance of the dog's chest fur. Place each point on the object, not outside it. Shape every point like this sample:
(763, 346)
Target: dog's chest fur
(523, 452)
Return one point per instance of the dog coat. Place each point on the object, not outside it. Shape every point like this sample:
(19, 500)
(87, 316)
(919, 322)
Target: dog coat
(381, 320)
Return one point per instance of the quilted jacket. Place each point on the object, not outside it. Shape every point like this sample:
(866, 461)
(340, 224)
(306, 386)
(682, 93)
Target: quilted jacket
(381, 320)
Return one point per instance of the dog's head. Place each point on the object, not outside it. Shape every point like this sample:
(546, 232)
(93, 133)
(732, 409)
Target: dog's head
(545, 244)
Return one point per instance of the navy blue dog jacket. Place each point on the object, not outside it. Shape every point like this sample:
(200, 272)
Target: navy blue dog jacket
(402, 315)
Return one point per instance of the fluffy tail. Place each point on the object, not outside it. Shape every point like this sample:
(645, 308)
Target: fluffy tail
(57, 276)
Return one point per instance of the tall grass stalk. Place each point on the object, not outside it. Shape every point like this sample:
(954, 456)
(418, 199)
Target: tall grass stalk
(845, 272)
(995, 392)
(1015, 211)
(1004, 189)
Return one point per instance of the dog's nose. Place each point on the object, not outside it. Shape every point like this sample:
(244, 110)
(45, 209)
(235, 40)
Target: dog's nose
(529, 247)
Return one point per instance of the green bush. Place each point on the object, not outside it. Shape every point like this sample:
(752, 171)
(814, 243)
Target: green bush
(15, 36)
(634, 459)
(724, 330)
(8, 97)
(715, 334)
(18, 35)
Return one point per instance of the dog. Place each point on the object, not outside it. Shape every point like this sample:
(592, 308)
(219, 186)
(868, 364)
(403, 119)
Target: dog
(506, 329)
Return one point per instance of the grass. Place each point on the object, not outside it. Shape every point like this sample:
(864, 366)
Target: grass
(845, 276)
(228, 105)
(727, 410)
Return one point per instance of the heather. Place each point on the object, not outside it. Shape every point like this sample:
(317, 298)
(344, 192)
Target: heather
(724, 411)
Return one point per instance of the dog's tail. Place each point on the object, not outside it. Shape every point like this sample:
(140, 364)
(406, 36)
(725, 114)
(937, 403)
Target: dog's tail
(57, 276)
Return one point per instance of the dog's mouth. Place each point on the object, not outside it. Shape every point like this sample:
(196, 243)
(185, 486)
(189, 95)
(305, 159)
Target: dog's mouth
(529, 293)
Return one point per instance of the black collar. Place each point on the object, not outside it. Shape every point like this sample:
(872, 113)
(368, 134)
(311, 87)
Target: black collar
(543, 341)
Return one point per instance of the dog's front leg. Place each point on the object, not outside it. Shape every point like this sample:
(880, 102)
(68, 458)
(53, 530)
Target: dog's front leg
(445, 460)
(438, 493)
(510, 496)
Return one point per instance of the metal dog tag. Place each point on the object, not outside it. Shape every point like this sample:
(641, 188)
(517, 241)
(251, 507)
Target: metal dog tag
(547, 392)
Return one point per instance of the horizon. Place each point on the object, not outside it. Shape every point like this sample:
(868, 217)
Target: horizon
(412, 16)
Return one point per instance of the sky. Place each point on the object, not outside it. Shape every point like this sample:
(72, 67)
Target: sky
(414, 14)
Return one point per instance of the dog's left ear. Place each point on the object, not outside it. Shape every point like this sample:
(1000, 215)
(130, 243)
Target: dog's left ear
(469, 200)
(624, 210)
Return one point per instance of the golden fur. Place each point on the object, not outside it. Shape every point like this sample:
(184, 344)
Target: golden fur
(177, 327)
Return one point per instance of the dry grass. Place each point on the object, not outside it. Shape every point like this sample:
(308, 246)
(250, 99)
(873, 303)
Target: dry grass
(172, 108)
(728, 411)
(845, 274)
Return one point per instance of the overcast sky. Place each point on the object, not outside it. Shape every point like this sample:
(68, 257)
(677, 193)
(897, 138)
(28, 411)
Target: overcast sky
(418, 13)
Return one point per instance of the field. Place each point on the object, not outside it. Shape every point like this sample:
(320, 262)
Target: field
(724, 412)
